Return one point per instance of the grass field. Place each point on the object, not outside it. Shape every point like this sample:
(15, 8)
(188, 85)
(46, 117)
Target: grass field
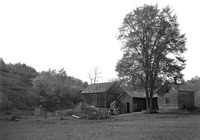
(135, 126)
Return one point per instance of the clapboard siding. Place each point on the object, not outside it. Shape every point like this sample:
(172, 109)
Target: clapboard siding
(173, 96)
(101, 94)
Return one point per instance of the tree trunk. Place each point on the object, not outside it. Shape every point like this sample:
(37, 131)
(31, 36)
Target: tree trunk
(151, 107)
(147, 99)
(151, 104)
(147, 103)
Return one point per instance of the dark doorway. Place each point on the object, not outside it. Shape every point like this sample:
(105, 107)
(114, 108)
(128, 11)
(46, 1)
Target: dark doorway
(128, 107)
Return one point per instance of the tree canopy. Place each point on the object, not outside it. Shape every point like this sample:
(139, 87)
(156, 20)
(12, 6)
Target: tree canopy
(57, 90)
(24, 88)
(16, 85)
(194, 83)
(152, 46)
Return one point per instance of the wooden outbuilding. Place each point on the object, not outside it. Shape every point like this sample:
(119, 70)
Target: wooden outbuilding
(175, 96)
(133, 101)
(101, 94)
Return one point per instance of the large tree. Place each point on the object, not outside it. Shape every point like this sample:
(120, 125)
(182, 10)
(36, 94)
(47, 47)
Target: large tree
(152, 46)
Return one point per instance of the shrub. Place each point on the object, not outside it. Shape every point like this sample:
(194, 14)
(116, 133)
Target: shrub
(84, 111)
(191, 108)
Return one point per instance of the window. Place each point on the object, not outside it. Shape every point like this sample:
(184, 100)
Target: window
(167, 100)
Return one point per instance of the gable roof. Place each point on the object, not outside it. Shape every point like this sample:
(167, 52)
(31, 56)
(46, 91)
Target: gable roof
(178, 87)
(98, 88)
(139, 94)
(182, 87)
(136, 94)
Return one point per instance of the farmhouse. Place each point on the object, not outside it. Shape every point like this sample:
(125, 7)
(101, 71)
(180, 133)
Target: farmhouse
(133, 101)
(101, 94)
(167, 96)
(174, 96)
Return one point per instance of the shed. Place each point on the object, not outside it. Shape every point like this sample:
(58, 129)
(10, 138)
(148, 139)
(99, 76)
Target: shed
(133, 101)
(175, 96)
(101, 94)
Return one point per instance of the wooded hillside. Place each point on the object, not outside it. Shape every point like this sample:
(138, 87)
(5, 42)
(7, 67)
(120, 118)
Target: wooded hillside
(24, 88)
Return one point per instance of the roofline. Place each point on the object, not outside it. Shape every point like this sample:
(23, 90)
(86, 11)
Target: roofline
(173, 88)
(100, 83)
(110, 86)
(186, 91)
(132, 95)
(121, 94)
(93, 92)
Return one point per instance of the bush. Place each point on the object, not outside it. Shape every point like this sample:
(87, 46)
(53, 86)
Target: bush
(84, 111)
(64, 113)
(113, 111)
(192, 108)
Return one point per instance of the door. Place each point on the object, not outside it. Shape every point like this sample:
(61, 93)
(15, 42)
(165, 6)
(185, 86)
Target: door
(128, 107)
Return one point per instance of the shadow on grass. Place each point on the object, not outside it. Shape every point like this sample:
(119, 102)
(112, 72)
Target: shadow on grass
(179, 112)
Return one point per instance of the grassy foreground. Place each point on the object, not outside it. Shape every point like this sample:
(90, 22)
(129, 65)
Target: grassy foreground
(135, 126)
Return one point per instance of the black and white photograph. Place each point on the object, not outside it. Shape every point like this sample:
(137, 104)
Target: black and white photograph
(99, 70)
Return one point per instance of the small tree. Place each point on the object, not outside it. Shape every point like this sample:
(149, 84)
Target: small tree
(152, 47)
(94, 76)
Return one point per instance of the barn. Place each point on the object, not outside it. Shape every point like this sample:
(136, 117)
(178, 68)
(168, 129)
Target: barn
(175, 96)
(101, 94)
(133, 101)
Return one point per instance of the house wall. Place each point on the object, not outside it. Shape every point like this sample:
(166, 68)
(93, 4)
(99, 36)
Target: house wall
(122, 103)
(136, 103)
(139, 104)
(197, 99)
(112, 94)
(185, 99)
(90, 98)
(110, 98)
(95, 99)
(168, 100)
(101, 100)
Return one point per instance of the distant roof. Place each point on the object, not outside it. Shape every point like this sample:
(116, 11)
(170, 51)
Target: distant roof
(138, 94)
(182, 87)
(167, 86)
(98, 88)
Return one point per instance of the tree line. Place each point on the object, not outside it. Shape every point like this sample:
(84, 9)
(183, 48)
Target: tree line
(194, 83)
(24, 88)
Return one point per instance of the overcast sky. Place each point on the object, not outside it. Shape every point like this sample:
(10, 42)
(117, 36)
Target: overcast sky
(78, 35)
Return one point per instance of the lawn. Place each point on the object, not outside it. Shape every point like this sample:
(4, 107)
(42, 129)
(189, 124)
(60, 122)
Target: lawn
(134, 126)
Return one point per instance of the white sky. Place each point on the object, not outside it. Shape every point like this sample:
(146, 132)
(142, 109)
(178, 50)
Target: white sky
(79, 35)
